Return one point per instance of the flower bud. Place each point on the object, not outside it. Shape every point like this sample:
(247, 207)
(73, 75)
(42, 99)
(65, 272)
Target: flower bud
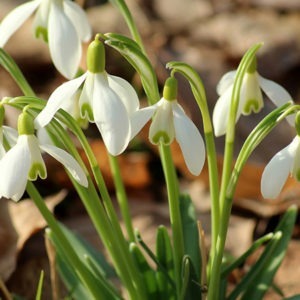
(96, 56)
(170, 89)
(25, 123)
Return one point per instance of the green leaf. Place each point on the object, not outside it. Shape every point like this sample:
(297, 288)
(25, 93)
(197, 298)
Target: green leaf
(40, 287)
(259, 278)
(295, 297)
(190, 233)
(135, 56)
(165, 268)
(146, 271)
(92, 259)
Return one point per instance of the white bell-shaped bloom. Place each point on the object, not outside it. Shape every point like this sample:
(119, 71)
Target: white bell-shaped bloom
(169, 122)
(251, 98)
(105, 99)
(285, 162)
(24, 162)
(60, 22)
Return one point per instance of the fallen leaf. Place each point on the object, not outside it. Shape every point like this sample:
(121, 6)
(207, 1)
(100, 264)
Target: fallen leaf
(18, 222)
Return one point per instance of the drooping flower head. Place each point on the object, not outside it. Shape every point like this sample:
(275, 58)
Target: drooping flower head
(251, 98)
(24, 161)
(169, 122)
(286, 162)
(104, 99)
(61, 23)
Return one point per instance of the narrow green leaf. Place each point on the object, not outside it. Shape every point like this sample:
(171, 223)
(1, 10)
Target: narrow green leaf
(40, 287)
(165, 269)
(190, 233)
(259, 278)
(11, 67)
(236, 263)
(264, 279)
(134, 55)
(96, 263)
(146, 271)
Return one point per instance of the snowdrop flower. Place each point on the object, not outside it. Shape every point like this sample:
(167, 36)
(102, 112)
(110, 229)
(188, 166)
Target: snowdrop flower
(106, 100)
(251, 98)
(6, 132)
(169, 122)
(24, 161)
(60, 22)
(285, 162)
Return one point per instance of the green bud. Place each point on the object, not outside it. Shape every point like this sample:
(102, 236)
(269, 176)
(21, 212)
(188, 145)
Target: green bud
(96, 56)
(25, 123)
(170, 89)
(297, 123)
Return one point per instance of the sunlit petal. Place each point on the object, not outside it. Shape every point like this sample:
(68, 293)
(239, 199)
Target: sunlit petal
(277, 94)
(111, 117)
(225, 82)
(221, 112)
(68, 161)
(64, 43)
(190, 141)
(125, 91)
(139, 118)
(79, 19)
(277, 171)
(55, 102)
(14, 167)
(13, 21)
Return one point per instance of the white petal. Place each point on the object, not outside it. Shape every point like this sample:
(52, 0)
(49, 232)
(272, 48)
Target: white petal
(13, 21)
(79, 19)
(190, 141)
(139, 118)
(125, 91)
(11, 135)
(14, 167)
(277, 171)
(225, 82)
(111, 117)
(55, 102)
(64, 42)
(277, 94)
(68, 161)
(221, 112)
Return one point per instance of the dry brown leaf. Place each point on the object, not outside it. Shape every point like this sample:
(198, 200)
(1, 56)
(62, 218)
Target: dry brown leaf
(18, 222)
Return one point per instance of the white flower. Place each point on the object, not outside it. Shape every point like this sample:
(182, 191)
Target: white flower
(285, 162)
(105, 99)
(62, 22)
(24, 162)
(10, 134)
(251, 98)
(169, 122)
